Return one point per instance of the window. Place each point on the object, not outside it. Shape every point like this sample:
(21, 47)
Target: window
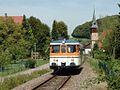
(63, 49)
(71, 48)
(55, 48)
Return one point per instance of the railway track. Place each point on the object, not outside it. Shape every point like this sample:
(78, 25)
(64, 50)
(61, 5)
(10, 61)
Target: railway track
(53, 83)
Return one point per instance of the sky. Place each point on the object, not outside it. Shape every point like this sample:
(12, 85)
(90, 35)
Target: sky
(72, 12)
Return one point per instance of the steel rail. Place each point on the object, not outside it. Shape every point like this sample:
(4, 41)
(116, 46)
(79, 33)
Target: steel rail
(61, 86)
(44, 82)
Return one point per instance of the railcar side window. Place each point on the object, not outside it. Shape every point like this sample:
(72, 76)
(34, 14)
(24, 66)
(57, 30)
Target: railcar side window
(71, 48)
(55, 48)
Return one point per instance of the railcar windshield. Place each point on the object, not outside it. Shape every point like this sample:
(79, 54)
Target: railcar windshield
(71, 48)
(55, 48)
(63, 49)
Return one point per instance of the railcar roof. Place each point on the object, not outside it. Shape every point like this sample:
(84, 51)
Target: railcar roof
(66, 41)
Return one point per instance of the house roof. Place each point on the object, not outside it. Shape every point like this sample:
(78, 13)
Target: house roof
(16, 19)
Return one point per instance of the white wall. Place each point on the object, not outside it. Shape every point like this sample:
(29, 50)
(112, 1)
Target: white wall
(87, 51)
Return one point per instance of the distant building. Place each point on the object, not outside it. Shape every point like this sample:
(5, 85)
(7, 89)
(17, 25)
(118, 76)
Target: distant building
(16, 19)
(87, 49)
(94, 31)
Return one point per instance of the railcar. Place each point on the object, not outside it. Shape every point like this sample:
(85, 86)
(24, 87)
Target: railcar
(65, 54)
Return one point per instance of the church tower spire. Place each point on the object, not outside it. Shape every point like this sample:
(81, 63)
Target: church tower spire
(94, 31)
(94, 26)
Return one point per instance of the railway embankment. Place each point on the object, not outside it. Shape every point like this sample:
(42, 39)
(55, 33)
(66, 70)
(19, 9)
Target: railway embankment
(85, 79)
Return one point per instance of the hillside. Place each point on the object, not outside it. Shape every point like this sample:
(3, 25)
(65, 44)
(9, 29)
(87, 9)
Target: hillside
(106, 23)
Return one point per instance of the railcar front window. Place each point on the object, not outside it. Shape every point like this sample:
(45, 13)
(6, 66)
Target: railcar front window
(63, 49)
(56, 49)
(71, 48)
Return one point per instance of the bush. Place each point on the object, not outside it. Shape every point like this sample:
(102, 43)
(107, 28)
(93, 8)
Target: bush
(114, 79)
(111, 70)
(98, 54)
(30, 63)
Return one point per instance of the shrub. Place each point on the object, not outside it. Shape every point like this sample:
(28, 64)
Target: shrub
(98, 54)
(111, 70)
(30, 63)
(114, 79)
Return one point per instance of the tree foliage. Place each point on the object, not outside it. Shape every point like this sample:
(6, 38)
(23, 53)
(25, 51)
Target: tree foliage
(104, 24)
(13, 46)
(54, 30)
(59, 30)
(17, 41)
(41, 33)
(112, 41)
(82, 31)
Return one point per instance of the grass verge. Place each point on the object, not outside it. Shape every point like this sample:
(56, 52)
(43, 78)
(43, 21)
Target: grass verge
(14, 68)
(12, 82)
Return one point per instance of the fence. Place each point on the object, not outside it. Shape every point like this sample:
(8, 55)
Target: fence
(12, 68)
(105, 67)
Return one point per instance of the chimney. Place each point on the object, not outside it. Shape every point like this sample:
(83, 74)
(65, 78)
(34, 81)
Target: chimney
(5, 15)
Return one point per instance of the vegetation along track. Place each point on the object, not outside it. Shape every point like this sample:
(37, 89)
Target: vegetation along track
(53, 83)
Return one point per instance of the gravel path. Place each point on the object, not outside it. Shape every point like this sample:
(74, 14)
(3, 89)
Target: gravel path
(83, 81)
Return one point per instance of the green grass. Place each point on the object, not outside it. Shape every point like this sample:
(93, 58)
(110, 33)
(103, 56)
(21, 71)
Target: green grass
(12, 82)
(14, 68)
(41, 62)
(95, 65)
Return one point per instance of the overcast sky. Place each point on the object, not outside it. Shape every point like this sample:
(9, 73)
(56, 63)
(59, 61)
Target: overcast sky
(72, 12)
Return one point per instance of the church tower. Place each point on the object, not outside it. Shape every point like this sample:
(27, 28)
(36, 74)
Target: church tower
(94, 31)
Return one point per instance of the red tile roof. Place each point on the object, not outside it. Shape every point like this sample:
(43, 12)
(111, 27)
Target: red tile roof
(17, 19)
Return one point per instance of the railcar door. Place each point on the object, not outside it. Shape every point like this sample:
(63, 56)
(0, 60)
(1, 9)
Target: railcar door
(64, 56)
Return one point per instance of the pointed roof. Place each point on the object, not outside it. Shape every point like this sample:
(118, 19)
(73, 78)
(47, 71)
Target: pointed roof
(94, 22)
